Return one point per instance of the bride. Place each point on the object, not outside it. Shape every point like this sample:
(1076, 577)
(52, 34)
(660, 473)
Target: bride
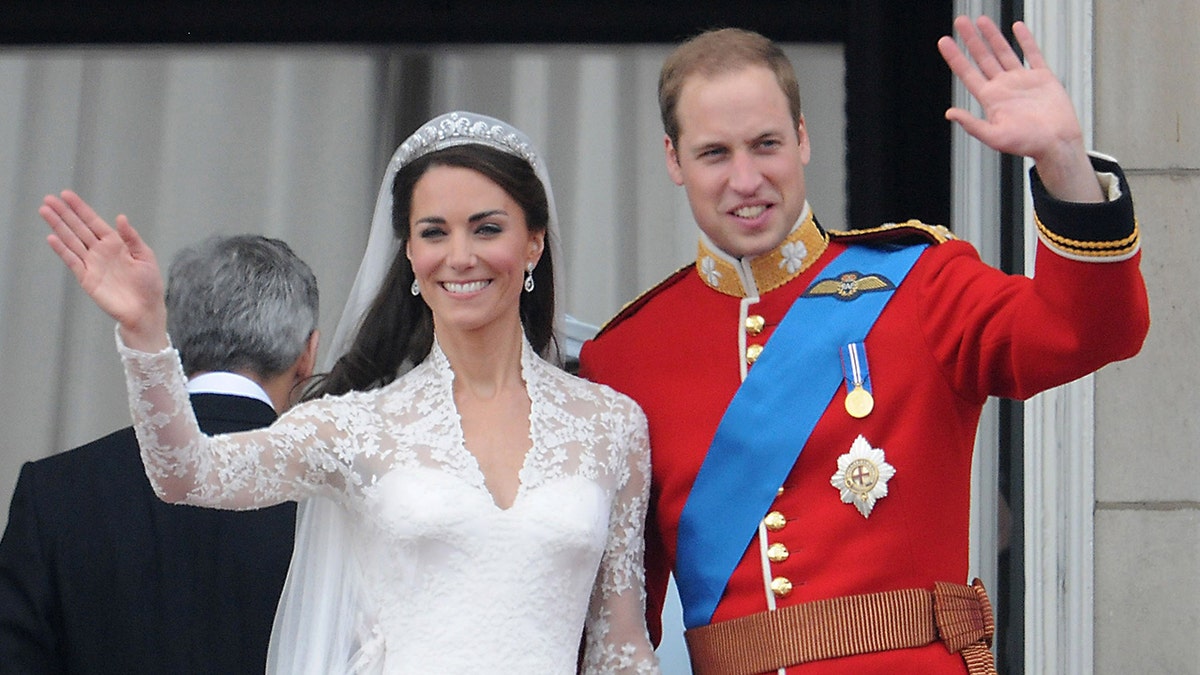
(466, 505)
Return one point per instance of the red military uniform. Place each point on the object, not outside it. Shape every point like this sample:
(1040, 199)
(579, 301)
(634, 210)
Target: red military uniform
(955, 332)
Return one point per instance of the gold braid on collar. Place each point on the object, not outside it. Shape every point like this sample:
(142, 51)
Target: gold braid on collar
(772, 269)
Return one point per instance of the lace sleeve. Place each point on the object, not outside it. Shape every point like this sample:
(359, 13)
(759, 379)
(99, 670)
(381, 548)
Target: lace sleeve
(294, 458)
(617, 640)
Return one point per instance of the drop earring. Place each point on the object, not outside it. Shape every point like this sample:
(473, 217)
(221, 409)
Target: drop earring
(529, 278)
(415, 288)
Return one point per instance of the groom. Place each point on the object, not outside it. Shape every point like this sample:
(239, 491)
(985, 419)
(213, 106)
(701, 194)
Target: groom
(813, 396)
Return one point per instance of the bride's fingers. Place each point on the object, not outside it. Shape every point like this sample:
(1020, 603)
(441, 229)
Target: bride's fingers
(82, 208)
(70, 225)
(51, 212)
(69, 258)
(83, 215)
(133, 241)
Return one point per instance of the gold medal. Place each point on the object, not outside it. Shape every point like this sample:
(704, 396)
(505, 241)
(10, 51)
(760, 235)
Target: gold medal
(859, 402)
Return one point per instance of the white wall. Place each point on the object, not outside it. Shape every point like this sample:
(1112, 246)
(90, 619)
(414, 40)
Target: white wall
(1147, 428)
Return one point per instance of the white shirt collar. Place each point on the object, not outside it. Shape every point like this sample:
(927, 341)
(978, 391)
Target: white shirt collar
(230, 384)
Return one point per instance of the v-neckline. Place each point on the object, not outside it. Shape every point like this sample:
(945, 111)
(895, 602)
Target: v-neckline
(469, 459)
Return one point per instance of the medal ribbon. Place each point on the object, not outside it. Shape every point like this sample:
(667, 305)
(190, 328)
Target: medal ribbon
(854, 363)
(768, 422)
(857, 374)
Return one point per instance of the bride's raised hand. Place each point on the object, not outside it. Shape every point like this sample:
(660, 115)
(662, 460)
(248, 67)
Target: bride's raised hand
(113, 266)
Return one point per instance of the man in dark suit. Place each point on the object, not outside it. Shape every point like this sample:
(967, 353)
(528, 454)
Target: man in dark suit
(97, 575)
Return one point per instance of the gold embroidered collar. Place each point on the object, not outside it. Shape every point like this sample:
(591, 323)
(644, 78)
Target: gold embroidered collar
(768, 271)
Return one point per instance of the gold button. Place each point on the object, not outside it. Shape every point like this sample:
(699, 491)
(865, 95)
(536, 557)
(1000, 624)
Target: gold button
(777, 552)
(775, 521)
(754, 324)
(781, 587)
(752, 353)
(779, 492)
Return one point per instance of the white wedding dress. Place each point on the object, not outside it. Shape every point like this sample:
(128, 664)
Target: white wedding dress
(448, 582)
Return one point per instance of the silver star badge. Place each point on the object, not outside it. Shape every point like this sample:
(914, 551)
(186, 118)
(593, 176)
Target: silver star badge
(862, 476)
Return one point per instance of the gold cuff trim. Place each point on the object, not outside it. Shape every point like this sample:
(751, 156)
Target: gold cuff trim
(1096, 249)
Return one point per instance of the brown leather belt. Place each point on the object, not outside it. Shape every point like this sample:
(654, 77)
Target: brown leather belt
(958, 615)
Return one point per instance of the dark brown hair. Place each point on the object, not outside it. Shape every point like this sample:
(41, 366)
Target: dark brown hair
(397, 330)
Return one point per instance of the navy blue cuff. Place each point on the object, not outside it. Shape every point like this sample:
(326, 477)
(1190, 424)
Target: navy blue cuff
(1099, 231)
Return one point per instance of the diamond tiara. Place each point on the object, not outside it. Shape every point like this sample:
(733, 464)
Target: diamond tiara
(459, 128)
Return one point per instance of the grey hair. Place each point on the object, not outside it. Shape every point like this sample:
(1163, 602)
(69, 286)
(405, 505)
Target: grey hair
(242, 303)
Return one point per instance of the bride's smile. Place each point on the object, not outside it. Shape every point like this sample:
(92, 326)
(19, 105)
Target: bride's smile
(470, 248)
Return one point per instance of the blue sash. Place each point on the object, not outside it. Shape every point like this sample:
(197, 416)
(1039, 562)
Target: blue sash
(772, 415)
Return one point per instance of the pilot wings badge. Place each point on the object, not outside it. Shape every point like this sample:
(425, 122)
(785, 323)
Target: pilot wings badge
(849, 285)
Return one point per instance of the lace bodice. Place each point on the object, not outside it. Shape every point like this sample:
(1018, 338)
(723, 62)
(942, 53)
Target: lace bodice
(454, 583)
